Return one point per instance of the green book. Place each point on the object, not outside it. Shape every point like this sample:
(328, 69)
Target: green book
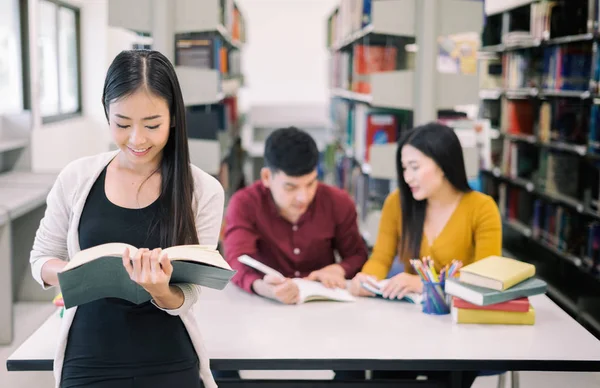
(486, 296)
(98, 272)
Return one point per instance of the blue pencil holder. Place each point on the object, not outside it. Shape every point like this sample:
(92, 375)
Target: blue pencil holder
(434, 298)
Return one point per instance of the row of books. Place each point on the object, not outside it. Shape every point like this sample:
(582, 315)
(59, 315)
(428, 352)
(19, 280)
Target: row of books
(351, 16)
(567, 67)
(545, 20)
(551, 224)
(204, 122)
(540, 19)
(591, 259)
(594, 134)
(232, 19)
(360, 126)
(495, 290)
(555, 225)
(352, 70)
(560, 67)
(550, 171)
(564, 120)
(206, 50)
(519, 70)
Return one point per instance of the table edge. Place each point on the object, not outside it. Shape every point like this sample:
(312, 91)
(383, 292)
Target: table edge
(366, 364)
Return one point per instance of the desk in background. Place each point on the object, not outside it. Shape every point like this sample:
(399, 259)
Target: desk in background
(359, 336)
(22, 206)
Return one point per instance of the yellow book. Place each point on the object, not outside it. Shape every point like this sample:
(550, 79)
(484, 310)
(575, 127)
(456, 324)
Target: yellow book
(491, 317)
(496, 272)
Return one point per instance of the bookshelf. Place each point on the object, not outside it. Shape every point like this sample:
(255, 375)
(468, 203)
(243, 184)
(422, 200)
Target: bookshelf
(208, 41)
(539, 72)
(377, 89)
(204, 39)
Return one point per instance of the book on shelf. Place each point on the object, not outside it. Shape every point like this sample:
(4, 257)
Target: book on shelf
(520, 70)
(592, 256)
(202, 50)
(381, 128)
(349, 17)
(371, 59)
(518, 117)
(541, 18)
(491, 75)
(98, 272)
(309, 290)
(567, 67)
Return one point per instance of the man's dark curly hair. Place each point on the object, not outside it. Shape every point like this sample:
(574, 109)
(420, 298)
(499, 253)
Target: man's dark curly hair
(291, 151)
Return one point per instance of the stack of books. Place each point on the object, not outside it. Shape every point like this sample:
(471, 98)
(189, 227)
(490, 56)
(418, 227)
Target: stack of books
(495, 290)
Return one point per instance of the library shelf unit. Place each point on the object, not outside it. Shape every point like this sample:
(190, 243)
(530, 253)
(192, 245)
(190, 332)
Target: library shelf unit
(376, 85)
(208, 41)
(539, 74)
(204, 40)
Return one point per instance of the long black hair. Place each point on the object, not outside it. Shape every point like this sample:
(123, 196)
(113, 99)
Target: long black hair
(441, 144)
(129, 72)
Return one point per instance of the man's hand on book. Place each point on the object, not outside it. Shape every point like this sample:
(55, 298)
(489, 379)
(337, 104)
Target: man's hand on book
(331, 276)
(147, 270)
(278, 288)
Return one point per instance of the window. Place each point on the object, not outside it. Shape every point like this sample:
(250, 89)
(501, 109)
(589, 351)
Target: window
(58, 44)
(11, 69)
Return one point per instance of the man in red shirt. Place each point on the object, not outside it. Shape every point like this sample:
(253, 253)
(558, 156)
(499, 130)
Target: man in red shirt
(291, 222)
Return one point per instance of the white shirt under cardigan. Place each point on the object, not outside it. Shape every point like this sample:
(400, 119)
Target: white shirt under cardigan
(58, 237)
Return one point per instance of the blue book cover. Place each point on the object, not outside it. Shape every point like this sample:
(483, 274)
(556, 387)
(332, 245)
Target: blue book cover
(366, 13)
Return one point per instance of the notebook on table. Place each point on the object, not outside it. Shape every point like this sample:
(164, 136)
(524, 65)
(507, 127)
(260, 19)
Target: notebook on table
(309, 290)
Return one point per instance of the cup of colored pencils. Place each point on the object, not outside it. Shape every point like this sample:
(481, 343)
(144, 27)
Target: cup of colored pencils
(435, 300)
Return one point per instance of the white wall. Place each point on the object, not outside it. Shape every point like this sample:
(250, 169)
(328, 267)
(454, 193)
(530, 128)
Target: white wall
(285, 59)
(54, 145)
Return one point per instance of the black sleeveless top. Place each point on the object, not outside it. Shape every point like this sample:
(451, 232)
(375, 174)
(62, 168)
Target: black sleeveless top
(113, 338)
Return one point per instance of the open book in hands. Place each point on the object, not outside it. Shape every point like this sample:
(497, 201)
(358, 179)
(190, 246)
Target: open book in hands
(310, 290)
(98, 272)
(376, 287)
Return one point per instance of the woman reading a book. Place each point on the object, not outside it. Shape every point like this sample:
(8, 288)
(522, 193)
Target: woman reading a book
(146, 194)
(433, 213)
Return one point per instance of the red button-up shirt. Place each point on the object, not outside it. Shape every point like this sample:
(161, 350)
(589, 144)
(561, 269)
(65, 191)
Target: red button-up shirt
(253, 226)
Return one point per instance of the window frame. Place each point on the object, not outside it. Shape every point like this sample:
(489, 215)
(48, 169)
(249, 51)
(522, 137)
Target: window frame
(25, 60)
(79, 112)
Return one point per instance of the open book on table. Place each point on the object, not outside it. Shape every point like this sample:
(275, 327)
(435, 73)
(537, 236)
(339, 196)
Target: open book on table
(309, 290)
(377, 289)
(98, 272)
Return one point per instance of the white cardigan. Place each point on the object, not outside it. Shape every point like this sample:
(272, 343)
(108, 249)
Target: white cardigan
(58, 237)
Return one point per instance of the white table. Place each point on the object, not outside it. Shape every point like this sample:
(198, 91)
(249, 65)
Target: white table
(245, 332)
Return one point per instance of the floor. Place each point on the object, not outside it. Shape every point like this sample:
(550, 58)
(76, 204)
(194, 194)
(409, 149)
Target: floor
(30, 315)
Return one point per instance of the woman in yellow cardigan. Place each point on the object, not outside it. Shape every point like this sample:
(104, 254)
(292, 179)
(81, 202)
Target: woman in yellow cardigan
(440, 215)
(433, 213)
